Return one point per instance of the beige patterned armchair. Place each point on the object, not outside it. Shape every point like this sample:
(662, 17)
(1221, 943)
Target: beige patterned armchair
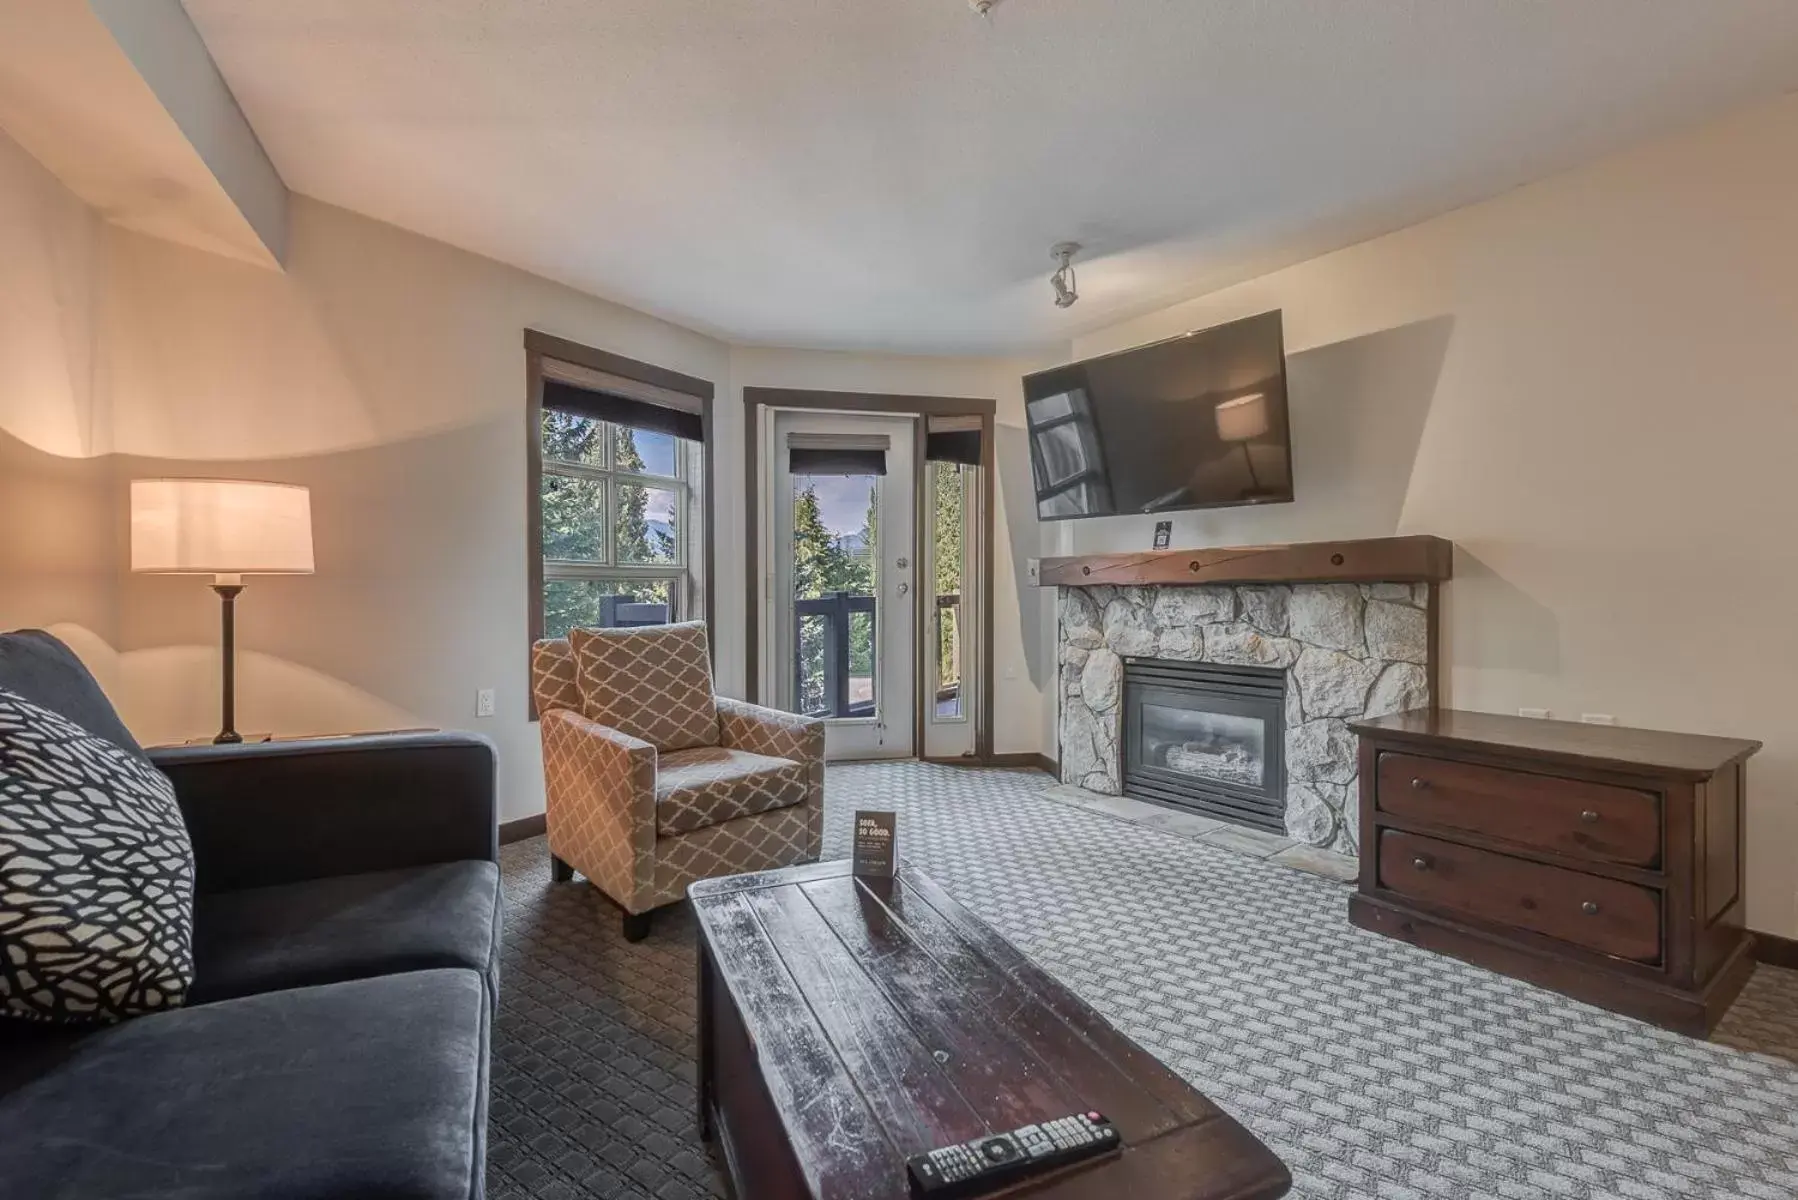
(653, 782)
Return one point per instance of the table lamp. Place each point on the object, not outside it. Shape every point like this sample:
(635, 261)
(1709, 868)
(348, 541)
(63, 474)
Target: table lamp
(225, 528)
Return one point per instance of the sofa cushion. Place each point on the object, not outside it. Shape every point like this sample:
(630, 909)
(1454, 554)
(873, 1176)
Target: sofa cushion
(375, 1087)
(345, 927)
(653, 683)
(40, 668)
(696, 789)
(96, 875)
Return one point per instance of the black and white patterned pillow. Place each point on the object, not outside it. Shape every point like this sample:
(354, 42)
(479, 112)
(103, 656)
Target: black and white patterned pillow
(96, 875)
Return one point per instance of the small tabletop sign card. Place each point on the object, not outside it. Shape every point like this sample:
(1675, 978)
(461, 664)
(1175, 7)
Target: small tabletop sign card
(876, 844)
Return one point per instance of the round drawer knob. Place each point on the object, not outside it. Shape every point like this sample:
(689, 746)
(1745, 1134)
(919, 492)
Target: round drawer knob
(1588, 816)
(1590, 908)
(1420, 785)
(1421, 863)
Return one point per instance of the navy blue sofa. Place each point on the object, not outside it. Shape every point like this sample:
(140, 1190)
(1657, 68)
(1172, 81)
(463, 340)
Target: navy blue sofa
(335, 1041)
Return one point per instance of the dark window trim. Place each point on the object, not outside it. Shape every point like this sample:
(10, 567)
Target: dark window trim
(539, 346)
(757, 398)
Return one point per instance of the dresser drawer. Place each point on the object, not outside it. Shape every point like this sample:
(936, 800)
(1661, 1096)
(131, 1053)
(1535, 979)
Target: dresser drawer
(1585, 820)
(1605, 915)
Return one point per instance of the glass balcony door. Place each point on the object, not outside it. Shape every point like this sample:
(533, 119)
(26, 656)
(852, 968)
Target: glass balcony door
(842, 621)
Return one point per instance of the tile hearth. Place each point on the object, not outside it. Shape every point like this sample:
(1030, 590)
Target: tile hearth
(1251, 843)
(1349, 650)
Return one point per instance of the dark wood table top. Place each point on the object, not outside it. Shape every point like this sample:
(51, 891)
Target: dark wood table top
(1679, 755)
(887, 1020)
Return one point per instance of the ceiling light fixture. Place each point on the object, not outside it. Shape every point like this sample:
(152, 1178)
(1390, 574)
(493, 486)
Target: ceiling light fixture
(1063, 281)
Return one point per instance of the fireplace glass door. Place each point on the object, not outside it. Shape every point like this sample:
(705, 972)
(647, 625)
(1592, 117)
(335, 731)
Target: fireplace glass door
(1207, 738)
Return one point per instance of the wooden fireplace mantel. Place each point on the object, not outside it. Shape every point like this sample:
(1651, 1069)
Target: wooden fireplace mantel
(1419, 558)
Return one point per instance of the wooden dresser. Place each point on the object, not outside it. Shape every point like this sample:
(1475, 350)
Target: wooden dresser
(1601, 862)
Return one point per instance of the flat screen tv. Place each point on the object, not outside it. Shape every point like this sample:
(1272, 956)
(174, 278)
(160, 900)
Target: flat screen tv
(1197, 421)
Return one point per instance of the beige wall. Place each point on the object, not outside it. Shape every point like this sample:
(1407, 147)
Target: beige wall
(57, 529)
(385, 371)
(1591, 386)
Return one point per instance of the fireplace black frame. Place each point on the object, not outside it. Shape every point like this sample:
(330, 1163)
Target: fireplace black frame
(1258, 692)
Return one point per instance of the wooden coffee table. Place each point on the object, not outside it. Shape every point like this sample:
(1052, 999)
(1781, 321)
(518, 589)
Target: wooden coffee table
(846, 1024)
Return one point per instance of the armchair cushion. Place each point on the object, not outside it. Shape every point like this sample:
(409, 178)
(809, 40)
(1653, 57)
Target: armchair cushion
(653, 683)
(699, 788)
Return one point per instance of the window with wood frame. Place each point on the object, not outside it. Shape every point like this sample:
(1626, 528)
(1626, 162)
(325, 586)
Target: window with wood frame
(619, 485)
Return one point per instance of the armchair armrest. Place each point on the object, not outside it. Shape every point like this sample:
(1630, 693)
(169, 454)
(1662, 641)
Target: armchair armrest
(599, 791)
(786, 735)
(279, 812)
(769, 731)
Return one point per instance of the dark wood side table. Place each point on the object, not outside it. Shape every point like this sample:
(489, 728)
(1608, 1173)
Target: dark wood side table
(1601, 862)
(847, 1024)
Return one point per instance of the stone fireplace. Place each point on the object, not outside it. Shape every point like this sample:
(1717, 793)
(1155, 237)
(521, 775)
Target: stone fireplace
(1326, 653)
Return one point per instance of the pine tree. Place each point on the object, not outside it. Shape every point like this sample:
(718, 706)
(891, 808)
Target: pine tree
(573, 514)
(816, 570)
(633, 504)
(859, 574)
(817, 560)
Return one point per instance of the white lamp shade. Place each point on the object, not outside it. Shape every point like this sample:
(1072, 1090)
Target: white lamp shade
(1243, 418)
(220, 527)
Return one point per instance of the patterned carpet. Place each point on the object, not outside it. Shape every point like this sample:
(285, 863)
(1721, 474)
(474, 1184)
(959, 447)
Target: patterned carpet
(1373, 1069)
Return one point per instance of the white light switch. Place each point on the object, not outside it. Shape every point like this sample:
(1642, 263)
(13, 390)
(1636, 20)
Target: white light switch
(483, 703)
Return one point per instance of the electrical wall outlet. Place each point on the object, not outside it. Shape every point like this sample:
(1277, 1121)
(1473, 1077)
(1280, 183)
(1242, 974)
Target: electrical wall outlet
(1540, 714)
(1598, 718)
(483, 703)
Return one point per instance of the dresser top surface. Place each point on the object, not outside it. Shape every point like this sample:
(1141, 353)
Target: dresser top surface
(1688, 755)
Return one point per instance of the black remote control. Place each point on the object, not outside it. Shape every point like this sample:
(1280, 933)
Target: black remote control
(988, 1162)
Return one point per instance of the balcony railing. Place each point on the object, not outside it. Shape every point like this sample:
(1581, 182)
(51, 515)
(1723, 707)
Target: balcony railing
(833, 667)
(822, 663)
(627, 612)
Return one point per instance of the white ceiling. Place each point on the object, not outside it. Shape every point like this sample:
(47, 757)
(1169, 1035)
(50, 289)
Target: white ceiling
(891, 173)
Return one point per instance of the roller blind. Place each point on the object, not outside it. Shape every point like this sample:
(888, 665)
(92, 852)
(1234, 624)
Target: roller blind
(622, 410)
(836, 454)
(953, 439)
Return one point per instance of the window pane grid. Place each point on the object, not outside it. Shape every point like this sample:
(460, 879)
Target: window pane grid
(615, 504)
